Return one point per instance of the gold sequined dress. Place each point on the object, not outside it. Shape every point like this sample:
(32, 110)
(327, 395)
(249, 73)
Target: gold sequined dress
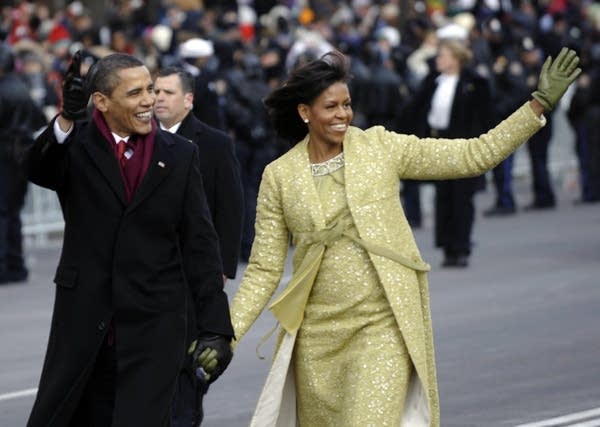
(358, 300)
(349, 346)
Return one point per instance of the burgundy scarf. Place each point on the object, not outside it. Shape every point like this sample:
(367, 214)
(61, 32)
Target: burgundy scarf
(137, 166)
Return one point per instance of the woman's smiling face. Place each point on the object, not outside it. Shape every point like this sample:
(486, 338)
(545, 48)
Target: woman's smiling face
(329, 115)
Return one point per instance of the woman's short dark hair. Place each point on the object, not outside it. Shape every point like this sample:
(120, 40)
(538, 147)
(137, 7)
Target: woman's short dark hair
(303, 85)
(103, 75)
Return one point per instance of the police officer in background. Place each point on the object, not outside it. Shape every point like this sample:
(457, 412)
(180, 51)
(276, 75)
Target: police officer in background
(584, 116)
(509, 91)
(532, 58)
(255, 141)
(198, 58)
(222, 185)
(19, 118)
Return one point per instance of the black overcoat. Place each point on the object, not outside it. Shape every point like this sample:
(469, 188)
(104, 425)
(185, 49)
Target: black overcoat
(472, 109)
(129, 263)
(222, 185)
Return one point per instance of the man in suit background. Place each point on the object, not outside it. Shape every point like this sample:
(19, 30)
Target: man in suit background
(139, 247)
(20, 117)
(222, 185)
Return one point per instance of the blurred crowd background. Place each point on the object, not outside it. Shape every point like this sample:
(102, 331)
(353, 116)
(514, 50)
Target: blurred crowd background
(239, 50)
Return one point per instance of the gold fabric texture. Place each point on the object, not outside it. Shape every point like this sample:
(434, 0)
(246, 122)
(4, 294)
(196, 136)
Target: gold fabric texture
(349, 335)
(354, 287)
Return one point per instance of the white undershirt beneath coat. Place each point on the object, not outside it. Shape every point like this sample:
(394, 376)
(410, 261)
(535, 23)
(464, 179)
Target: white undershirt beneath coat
(441, 103)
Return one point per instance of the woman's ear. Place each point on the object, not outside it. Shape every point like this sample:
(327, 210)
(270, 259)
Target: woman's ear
(303, 112)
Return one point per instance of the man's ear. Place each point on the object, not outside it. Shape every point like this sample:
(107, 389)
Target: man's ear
(188, 100)
(100, 101)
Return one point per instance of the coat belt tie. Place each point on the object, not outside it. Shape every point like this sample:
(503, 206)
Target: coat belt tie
(288, 307)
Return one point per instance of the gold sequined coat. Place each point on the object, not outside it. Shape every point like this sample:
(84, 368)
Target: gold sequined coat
(375, 161)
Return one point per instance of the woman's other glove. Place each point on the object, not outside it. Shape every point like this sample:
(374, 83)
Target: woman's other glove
(555, 78)
(74, 92)
(210, 356)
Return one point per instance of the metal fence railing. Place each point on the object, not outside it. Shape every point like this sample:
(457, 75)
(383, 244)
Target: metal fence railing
(42, 218)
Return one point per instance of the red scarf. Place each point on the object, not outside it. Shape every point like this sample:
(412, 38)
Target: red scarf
(138, 164)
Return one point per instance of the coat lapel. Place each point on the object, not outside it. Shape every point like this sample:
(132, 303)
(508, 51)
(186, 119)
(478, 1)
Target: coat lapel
(356, 171)
(190, 126)
(161, 165)
(307, 191)
(104, 159)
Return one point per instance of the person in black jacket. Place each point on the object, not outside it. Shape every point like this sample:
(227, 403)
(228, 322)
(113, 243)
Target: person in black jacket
(509, 91)
(221, 177)
(538, 147)
(139, 247)
(19, 118)
(256, 144)
(584, 115)
(453, 102)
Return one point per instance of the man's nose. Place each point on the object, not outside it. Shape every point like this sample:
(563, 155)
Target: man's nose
(150, 98)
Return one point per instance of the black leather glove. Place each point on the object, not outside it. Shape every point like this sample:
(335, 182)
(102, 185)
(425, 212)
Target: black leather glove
(210, 356)
(74, 91)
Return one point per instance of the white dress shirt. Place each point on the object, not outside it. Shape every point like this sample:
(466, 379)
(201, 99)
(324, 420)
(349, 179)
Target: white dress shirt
(441, 103)
(61, 136)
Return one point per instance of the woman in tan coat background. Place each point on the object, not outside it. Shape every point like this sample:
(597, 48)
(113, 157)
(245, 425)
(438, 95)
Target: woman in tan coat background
(356, 343)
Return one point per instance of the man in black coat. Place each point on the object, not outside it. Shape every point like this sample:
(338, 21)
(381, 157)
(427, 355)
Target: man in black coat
(174, 88)
(19, 118)
(139, 247)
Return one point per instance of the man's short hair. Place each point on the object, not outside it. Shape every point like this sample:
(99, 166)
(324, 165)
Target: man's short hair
(104, 76)
(187, 80)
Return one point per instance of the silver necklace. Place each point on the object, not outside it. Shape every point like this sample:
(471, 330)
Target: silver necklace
(328, 166)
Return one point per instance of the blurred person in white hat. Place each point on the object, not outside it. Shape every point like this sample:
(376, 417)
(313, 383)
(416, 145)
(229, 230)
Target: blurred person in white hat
(197, 57)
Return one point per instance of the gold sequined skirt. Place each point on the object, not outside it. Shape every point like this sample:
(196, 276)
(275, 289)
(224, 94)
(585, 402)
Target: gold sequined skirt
(351, 364)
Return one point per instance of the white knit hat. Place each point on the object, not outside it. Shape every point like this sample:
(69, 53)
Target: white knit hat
(196, 48)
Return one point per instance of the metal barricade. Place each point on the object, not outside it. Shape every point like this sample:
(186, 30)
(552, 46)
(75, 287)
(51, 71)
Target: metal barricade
(42, 218)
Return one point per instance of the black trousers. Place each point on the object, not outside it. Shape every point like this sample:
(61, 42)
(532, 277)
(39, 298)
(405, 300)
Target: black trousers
(454, 215)
(411, 201)
(502, 175)
(13, 187)
(187, 409)
(538, 146)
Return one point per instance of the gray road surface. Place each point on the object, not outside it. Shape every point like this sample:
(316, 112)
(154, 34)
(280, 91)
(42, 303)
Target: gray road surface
(517, 333)
(517, 336)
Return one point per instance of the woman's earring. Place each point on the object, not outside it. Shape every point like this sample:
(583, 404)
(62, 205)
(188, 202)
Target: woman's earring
(305, 121)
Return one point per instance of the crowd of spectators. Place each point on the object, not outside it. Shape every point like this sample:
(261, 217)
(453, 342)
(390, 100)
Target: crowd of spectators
(238, 50)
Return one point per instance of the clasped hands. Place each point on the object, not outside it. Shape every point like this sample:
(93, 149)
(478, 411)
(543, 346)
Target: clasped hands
(210, 356)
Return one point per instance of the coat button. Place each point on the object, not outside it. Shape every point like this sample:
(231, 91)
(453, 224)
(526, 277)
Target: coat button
(101, 325)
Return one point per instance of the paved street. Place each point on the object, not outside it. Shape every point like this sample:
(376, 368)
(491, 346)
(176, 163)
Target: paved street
(517, 335)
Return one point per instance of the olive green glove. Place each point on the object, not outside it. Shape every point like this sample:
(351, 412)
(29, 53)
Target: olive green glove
(210, 356)
(555, 78)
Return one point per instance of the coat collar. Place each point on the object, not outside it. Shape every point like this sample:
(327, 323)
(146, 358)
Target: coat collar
(303, 177)
(190, 127)
(102, 156)
(161, 165)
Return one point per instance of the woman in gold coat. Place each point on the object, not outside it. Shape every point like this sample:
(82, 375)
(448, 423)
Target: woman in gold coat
(356, 345)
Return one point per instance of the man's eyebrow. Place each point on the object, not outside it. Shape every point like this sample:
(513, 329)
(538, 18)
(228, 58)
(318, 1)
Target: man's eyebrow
(133, 91)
